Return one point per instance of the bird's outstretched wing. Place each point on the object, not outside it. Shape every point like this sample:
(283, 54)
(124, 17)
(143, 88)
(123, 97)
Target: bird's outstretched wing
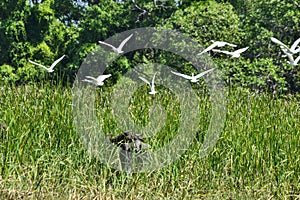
(221, 51)
(38, 64)
(297, 60)
(145, 80)
(230, 44)
(240, 50)
(221, 44)
(182, 75)
(289, 56)
(124, 42)
(217, 44)
(103, 77)
(295, 44)
(153, 78)
(279, 42)
(203, 73)
(57, 61)
(90, 77)
(101, 42)
(90, 81)
(208, 48)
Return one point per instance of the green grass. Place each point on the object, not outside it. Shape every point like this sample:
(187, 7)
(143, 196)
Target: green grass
(41, 155)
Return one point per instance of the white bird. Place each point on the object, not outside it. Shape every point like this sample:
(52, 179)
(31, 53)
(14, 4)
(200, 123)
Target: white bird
(152, 87)
(216, 44)
(50, 69)
(120, 47)
(292, 61)
(291, 50)
(193, 78)
(99, 81)
(235, 54)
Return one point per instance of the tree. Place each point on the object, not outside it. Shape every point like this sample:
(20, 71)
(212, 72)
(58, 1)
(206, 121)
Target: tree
(206, 21)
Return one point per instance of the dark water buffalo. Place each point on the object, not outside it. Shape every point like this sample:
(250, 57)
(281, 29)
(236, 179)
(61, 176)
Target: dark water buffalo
(131, 143)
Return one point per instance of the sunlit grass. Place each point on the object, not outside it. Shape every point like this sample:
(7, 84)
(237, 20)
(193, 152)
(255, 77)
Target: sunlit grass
(41, 155)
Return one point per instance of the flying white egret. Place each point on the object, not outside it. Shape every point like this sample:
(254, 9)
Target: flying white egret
(50, 69)
(291, 50)
(193, 78)
(152, 87)
(292, 61)
(120, 47)
(216, 44)
(234, 54)
(99, 81)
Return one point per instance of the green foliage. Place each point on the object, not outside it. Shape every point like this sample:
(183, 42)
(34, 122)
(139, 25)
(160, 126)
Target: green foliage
(7, 74)
(260, 67)
(208, 20)
(42, 50)
(45, 9)
(16, 30)
(99, 22)
(29, 73)
(263, 19)
(48, 30)
(260, 74)
(12, 9)
(260, 21)
(150, 13)
(69, 13)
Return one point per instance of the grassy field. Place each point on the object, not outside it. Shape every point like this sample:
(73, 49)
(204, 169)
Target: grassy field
(41, 156)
